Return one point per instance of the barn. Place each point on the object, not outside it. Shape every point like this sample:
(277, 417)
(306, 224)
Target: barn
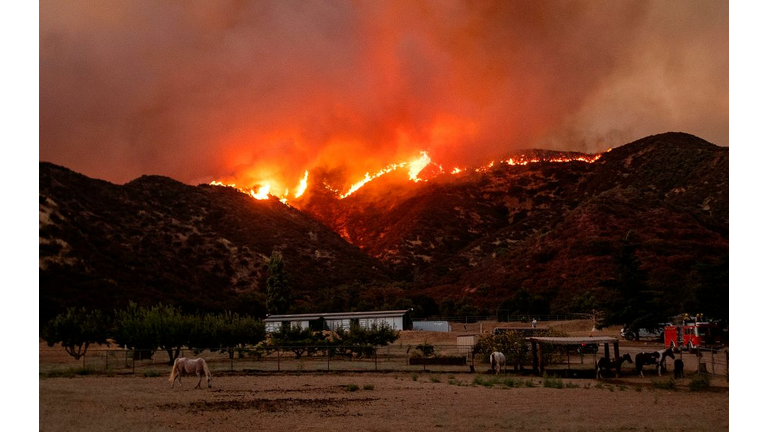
(395, 319)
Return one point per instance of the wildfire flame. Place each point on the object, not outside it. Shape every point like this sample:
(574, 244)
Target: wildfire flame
(415, 167)
(262, 194)
(302, 185)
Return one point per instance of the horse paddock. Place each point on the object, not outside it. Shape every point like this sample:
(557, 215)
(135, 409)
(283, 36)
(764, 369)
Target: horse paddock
(370, 401)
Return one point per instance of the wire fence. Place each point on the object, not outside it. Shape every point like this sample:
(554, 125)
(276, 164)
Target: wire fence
(504, 316)
(274, 359)
(566, 361)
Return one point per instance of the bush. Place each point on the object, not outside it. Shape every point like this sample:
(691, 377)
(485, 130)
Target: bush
(352, 387)
(368, 387)
(552, 382)
(699, 382)
(426, 349)
(664, 384)
(65, 373)
(489, 382)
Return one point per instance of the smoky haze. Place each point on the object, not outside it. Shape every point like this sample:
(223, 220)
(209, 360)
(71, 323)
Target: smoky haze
(248, 91)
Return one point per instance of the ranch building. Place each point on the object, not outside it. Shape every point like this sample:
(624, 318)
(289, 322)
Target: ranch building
(395, 319)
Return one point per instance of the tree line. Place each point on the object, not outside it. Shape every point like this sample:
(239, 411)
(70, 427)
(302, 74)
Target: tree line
(167, 328)
(147, 330)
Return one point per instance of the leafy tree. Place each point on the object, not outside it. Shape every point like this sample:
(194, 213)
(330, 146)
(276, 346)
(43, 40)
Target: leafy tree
(512, 344)
(237, 331)
(76, 329)
(205, 334)
(361, 340)
(515, 348)
(171, 328)
(278, 288)
(132, 331)
(299, 340)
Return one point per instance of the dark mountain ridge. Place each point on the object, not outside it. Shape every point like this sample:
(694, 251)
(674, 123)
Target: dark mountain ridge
(158, 240)
(536, 238)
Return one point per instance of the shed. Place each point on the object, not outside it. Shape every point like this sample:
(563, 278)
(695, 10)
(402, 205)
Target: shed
(538, 342)
(466, 343)
(435, 326)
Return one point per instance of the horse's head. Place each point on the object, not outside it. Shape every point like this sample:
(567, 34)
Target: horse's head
(628, 358)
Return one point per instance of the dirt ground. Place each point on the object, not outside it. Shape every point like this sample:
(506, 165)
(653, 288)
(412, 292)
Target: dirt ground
(386, 401)
(382, 402)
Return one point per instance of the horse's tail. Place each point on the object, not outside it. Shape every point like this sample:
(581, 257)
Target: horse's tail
(173, 370)
(205, 368)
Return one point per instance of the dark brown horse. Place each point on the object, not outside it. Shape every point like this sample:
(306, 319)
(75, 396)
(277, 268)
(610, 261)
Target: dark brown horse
(604, 364)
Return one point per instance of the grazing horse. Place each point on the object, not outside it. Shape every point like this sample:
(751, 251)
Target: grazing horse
(655, 358)
(604, 364)
(498, 362)
(662, 355)
(679, 373)
(644, 358)
(196, 366)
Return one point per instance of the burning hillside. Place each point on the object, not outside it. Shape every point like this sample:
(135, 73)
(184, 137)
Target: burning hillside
(418, 170)
(538, 225)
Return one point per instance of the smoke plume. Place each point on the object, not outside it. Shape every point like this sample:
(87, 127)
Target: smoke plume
(254, 90)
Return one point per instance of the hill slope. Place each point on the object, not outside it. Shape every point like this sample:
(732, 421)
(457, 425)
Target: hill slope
(537, 238)
(550, 229)
(158, 240)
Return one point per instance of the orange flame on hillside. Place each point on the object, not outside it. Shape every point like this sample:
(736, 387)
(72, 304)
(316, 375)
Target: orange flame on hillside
(415, 167)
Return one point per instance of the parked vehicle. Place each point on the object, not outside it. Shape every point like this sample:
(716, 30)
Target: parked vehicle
(636, 334)
(587, 348)
(692, 335)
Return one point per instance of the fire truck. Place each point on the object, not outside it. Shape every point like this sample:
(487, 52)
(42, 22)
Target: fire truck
(693, 333)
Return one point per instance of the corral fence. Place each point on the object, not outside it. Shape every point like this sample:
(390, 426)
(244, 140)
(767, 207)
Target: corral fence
(396, 357)
(504, 316)
(574, 362)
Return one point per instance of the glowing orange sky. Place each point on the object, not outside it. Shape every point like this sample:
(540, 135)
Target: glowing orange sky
(241, 91)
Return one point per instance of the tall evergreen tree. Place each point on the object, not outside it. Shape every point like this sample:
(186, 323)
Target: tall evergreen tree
(632, 302)
(278, 287)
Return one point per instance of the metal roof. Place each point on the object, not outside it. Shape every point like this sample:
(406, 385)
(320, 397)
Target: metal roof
(573, 340)
(336, 315)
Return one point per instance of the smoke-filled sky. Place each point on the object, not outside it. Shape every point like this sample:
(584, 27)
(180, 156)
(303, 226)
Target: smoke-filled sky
(250, 91)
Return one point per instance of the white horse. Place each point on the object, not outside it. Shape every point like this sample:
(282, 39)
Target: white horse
(498, 362)
(196, 366)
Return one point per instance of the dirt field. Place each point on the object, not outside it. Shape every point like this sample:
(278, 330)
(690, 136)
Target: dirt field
(385, 401)
(382, 402)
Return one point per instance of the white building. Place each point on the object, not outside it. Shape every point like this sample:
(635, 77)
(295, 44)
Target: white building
(397, 320)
